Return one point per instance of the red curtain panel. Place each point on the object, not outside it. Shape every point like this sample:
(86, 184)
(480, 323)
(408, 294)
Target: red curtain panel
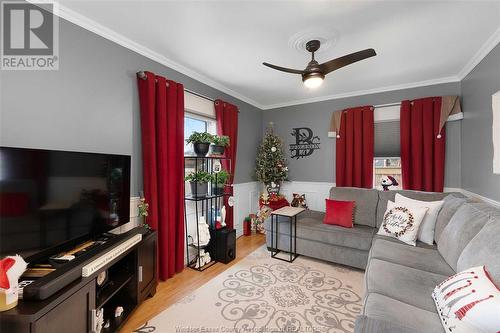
(422, 152)
(227, 124)
(354, 148)
(162, 131)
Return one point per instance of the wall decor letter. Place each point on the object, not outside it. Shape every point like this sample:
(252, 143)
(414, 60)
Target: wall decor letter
(305, 142)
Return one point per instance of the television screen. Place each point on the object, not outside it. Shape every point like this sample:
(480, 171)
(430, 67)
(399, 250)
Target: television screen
(48, 197)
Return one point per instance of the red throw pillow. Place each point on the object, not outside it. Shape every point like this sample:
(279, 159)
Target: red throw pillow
(339, 213)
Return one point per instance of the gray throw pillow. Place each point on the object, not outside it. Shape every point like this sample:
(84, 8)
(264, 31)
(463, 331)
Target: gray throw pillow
(450, 207)
(469, 219)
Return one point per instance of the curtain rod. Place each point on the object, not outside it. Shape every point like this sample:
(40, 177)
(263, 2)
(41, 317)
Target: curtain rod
(386, 105)
(143, 76)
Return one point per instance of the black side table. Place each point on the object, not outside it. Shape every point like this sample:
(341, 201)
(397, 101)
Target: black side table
(291, 213)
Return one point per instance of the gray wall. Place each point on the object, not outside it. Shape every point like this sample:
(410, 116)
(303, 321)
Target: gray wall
(91, 103)
(477, 143)
(320, 167)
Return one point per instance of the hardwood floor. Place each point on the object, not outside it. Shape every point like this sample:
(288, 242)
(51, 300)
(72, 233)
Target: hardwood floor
(170, 291)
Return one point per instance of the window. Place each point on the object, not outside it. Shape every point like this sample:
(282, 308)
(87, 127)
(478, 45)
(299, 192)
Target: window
(384, 167)
(195, 123)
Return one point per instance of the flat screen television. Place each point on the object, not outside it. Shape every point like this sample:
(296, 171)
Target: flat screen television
(50, 197)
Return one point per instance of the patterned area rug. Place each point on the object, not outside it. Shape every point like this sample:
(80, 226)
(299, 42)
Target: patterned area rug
(261, 294)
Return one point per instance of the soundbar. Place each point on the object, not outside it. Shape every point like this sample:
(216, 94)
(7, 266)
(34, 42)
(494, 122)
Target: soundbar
(109, 256)
(51, 283)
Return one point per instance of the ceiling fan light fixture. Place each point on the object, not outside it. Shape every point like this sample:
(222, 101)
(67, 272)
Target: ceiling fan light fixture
(313, 80)
(314, 74)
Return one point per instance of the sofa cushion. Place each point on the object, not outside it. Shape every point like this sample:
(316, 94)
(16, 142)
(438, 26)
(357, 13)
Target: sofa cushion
(379, 306)
(364, 324)
(483, 249)
(450, 207)
(466, 223)
(310, 226)
(406, 284)
(366, 202)
(385, 196)
(419, 243)
(425, 259)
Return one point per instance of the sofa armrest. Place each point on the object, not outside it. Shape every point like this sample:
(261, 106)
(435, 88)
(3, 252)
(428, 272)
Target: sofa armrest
(366, 324)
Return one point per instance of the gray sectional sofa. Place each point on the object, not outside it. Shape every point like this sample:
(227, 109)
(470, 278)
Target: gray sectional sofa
(399, 278)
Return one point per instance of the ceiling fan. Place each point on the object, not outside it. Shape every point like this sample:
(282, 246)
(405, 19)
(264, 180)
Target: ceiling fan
(314, 74)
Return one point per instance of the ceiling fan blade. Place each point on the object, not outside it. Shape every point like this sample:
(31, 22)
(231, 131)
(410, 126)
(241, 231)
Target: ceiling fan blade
(283, 69)
(337, 63)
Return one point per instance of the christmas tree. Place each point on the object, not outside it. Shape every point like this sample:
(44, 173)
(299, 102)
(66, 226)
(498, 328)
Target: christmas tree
(271, 166)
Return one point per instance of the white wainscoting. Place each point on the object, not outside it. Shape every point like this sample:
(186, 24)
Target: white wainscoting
(316, 192)
(246, 201)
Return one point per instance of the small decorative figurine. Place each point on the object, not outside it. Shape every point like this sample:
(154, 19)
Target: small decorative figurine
(203, 259)
(203, 232)
(11, 269)
(101, 278)
(99, 320)
(118, 311)
(388, 181)
(299, 201)
(223, 216)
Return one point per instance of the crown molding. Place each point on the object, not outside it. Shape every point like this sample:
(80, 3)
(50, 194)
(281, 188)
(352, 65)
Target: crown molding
(99, 29)
(480, 54)
(365, 92)
(119, 39)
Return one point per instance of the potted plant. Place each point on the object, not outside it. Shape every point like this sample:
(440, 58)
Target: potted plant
(219, 144)
(143, 208)
(199, 183)
(218, 181)
(201, 142)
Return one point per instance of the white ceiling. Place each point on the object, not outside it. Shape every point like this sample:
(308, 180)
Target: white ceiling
(223, 43)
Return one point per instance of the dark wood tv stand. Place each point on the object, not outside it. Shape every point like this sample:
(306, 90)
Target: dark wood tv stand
(132, 277)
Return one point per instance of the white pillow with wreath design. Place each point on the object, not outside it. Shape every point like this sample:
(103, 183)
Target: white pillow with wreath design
(402, 222)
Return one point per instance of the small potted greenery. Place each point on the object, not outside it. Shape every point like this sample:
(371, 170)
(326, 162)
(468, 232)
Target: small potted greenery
(219, 144)
(201, 142)
(143, 208)
(199, 183)
(218, 182)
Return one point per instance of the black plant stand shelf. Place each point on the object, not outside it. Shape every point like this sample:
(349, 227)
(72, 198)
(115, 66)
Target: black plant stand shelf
(206, 205)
